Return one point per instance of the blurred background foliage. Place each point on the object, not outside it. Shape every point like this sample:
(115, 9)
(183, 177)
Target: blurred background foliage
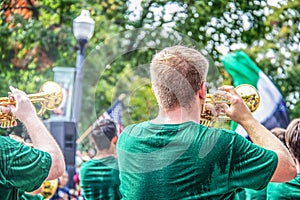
(37, 36)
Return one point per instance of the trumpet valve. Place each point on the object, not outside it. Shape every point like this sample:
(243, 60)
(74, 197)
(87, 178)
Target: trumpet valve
(7, 120)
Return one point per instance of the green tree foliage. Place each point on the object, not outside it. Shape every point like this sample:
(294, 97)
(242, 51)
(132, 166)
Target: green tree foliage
(278, 52)
(37, 36)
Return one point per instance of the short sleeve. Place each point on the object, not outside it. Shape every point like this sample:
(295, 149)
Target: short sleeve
(27, 167)
(252, 166)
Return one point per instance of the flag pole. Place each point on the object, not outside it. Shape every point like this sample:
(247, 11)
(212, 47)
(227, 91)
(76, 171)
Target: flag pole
(89, 129)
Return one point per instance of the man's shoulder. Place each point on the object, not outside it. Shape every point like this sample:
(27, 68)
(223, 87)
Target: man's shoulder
(7, 142)
(133, 127)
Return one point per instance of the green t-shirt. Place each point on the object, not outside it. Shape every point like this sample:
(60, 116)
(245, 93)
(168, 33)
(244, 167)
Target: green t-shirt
(99, 179)
(27, 196)
(189, 161)
(288, 190)
(22, 168)
(249, 194)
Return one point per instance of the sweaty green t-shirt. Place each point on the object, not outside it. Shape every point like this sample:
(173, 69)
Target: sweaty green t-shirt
(22, 168)
(27, 196)
(288, 190)
(250, 194)
(189, 161)
(99, 179)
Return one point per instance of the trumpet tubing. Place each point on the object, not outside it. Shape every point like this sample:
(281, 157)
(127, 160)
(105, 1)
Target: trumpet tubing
(49, 188)
(248, 93)
(50, 96)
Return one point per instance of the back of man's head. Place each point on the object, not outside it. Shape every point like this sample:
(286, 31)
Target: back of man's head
(177, 73)
(103, 133)
(292, 138)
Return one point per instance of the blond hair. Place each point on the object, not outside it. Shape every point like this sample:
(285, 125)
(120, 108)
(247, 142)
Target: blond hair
(177, 73)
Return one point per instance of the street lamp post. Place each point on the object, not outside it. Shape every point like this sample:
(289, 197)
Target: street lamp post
(83, 29)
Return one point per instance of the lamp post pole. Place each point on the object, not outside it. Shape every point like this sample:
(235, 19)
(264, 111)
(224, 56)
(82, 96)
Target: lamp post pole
(83, 29)
(78, 81)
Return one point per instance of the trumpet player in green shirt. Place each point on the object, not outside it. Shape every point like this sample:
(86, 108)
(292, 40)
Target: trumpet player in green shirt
(174, 157)
(23, 168)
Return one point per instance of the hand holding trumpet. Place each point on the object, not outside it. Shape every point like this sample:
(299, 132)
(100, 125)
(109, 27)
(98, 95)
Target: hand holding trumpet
(230, 103)
(237, 110)
(21, 109)
(20, 105)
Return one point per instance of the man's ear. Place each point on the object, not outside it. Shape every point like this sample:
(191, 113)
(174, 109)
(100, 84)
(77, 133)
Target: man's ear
(114, 140)
(202, 90)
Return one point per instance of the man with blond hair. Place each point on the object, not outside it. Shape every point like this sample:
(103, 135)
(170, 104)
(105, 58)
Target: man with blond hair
(174, 157)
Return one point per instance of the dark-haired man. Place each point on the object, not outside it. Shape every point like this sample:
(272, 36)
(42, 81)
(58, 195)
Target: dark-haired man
(99, 177)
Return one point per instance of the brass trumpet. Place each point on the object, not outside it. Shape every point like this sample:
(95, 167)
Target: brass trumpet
(50, 96)
(49, 188)
(248, 93)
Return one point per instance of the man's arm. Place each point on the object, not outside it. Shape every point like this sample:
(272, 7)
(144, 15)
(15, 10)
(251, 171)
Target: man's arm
(286, 168)
(39, 134)
(240, 113)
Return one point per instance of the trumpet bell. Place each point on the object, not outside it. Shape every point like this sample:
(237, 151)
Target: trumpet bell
(250, 96)
(54, 92)
(49, 188)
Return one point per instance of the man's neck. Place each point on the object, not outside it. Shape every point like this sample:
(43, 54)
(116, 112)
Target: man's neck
(178, 115)
(104, 153)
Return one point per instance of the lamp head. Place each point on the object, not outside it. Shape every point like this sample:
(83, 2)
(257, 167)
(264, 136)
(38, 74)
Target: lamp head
(83, 26)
